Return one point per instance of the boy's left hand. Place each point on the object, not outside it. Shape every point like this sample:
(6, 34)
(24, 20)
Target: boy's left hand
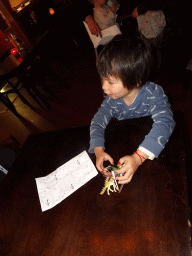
(131, 165)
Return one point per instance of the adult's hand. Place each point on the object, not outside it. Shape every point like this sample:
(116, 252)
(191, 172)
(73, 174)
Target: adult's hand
(114, 6)
(93, 26)
(135, 13)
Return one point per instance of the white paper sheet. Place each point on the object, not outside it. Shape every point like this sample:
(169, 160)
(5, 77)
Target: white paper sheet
(65, 180)
(107, 35)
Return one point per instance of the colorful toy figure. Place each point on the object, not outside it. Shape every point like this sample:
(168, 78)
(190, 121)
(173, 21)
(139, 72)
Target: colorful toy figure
(111, 183)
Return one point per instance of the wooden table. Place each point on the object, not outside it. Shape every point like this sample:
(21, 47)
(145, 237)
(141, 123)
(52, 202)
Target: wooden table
(33, 68)
(149, 217)
(41, 50)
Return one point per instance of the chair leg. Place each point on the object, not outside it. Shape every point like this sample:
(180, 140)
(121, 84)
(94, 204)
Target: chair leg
(41, 97)
(33, 96)
(41, 83)
(9, 105)
(23, 98)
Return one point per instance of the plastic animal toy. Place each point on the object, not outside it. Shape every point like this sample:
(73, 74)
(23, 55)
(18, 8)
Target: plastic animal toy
(110, 184)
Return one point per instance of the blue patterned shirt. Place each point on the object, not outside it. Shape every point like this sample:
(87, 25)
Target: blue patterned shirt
(150, 101)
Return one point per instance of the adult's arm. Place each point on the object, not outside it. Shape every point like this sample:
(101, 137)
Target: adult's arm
(93, 26)
(85, 13)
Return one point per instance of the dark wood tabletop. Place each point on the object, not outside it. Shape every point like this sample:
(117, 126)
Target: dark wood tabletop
(149, 217)
(27, 60)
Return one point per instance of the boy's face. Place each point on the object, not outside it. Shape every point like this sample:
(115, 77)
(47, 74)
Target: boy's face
(114, 88)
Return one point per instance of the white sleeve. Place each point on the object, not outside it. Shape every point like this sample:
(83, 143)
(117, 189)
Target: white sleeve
(151, 156)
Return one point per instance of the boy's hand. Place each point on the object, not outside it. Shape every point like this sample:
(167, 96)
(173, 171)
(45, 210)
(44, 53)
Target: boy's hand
(131, 165)
(102, 156)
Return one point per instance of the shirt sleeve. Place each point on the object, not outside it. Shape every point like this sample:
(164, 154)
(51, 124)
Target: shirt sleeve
(163, 123)
(99, 124)
(151, 24)
(158, 22)
(151, 156)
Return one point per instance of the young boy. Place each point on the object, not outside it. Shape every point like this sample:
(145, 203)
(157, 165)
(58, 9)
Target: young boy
(124, 66)
(104, 15)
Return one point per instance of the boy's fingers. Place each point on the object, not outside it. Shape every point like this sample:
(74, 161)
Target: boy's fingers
(126, 181)
(121, 161)
(122, 169)
(109, 158)
(99, 166)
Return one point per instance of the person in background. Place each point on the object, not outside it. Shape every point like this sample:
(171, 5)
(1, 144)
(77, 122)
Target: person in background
(89, 19)
(151, 23)
(124, 66)
(93, 26)
(80, 10)
(104, 15)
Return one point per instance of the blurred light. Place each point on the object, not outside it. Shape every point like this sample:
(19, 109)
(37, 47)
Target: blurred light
(20, 59)
(51, 11)
(14, 52)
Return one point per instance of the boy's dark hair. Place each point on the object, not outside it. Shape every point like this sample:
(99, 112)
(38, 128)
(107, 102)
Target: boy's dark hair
(128, 59)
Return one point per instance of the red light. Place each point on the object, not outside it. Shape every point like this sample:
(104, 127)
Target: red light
(20, 59)
(14, 52)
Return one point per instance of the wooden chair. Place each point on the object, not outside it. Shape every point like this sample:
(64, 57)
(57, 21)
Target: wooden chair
(17, 80)
(6, 87)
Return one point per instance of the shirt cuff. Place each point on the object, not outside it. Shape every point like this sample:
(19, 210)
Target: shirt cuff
(151, 156)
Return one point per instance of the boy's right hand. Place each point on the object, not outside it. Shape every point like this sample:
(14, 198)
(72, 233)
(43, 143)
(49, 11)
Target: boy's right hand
(102, 156)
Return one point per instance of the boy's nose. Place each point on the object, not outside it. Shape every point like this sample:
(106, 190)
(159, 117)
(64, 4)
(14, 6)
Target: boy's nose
(104, 85)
